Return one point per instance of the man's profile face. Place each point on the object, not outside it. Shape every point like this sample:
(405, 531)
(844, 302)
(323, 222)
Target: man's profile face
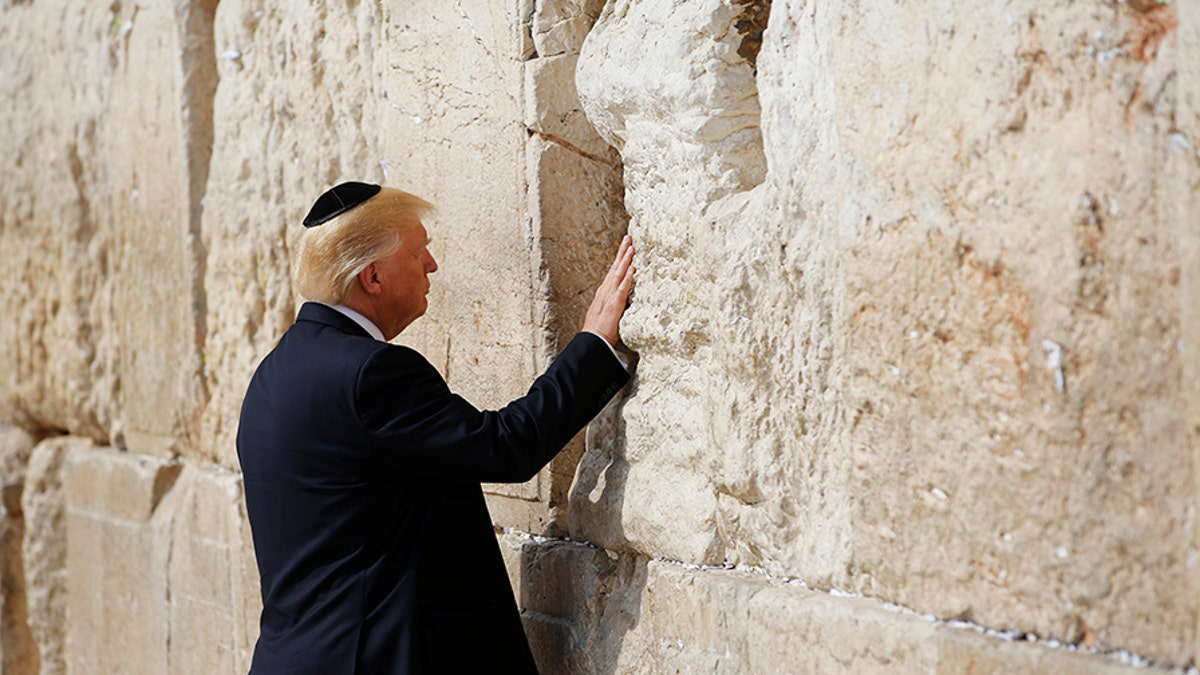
(405, 276)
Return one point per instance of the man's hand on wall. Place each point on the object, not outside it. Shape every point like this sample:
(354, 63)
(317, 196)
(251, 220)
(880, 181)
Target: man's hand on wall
(612, 297)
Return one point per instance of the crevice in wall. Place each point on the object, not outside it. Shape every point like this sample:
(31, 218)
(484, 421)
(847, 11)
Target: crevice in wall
(575, 216)
(164, 480)
(564, 143)
(17, 646)
(199, 87)
(751, 25)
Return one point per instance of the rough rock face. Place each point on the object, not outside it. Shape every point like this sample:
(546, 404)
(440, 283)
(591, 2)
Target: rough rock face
(58, 365)
(918, 334)
(915, 324)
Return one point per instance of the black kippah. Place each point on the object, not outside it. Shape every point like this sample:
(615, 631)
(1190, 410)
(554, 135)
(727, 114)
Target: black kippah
(338, 200)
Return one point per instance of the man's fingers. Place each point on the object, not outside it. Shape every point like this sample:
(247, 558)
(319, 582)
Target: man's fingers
(623, 262)
(626, 284)
(612, 296)
(623, 257)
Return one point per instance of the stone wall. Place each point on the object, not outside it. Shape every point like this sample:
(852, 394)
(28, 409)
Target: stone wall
(916, 382)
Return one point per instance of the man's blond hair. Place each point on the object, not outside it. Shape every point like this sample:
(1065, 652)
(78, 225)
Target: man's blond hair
(332, 254)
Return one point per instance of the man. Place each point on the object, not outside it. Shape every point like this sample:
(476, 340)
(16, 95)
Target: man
(362, 470)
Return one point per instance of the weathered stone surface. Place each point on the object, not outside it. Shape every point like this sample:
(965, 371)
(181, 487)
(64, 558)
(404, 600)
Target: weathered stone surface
(923, 340)
(101, 252)
(45, 547)
(160, 567)
(916, 314)
(57, 364)
(18, 651)
(1184, 175)
(575, 204)
(118, 527)
(379, 114)
(293, 113)
(590, 611)
(696, 141)
(211, 577)
(577, 601)
(161, 116)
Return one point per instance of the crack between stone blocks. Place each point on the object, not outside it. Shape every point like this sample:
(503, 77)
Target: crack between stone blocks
(196, 24)
(564, 143)
(167, 594)
(164, 482)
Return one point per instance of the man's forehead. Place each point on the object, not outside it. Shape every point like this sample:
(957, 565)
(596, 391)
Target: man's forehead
(415, 229)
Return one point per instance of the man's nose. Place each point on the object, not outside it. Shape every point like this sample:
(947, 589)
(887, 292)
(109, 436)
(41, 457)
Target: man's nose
(431, 265)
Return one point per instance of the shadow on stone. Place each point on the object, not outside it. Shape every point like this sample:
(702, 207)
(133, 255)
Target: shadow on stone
(579, 604)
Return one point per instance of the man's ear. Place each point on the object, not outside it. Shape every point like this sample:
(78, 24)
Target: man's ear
(368, 279)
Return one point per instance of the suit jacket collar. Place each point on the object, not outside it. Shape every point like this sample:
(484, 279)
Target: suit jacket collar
(324, 314)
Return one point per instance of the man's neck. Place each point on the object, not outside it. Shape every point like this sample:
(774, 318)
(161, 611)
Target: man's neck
(362, 320)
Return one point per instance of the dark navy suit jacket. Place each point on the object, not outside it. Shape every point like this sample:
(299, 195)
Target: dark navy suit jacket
(362, 470)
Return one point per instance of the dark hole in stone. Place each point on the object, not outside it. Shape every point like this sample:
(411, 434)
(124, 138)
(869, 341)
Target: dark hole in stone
(750, 25)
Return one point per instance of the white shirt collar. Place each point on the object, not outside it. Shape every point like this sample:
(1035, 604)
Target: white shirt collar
(361, 320)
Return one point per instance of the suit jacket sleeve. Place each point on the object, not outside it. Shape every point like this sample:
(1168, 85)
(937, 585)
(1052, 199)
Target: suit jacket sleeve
(417, 426)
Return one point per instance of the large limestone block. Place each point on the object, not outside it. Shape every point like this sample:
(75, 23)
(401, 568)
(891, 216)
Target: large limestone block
(576, 601)
(587, 610)
(161, 139)
(935, 355)
(160, 566)
(44, 504)
(119, 510)
(213, 582)
(18, 650)
(1010, 326)
(110, 131)
(682, 108)
(57, 361)
(454, 128)
(323, 93)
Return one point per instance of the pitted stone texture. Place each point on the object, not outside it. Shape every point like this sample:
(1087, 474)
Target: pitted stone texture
(1183, 157)
(1010, 325)
(57, 363)
(587, 610)
(18, 650)
(111, 146)
(45, 547)
(663, 83)
(935, 357)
